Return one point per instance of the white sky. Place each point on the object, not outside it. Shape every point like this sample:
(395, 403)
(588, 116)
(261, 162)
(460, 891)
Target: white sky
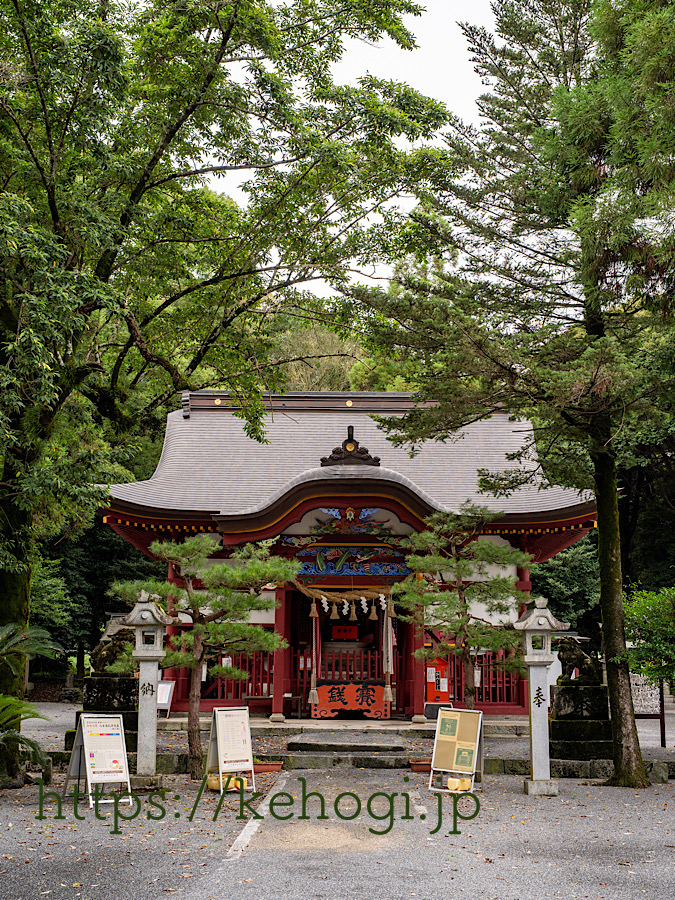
(440, 67)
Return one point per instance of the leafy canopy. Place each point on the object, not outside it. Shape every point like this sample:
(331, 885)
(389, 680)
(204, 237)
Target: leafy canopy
(125, 273)
(650, 627)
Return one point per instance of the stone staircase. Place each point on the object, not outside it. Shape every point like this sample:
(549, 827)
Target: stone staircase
(318, 750)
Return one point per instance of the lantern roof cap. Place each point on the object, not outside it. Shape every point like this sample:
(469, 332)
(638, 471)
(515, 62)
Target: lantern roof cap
(147, 612)
(538, 617)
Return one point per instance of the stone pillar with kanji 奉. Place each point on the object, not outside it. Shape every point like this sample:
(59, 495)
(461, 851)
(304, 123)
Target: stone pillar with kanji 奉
(149, 621)
(537, 624)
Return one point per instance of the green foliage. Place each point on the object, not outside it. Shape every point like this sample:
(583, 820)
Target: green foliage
(571, 582)
(317, 359)
(52, 607)
(16, 643)
(650, 629)
(124, 276)
(125, 664)
(12, 712)
(88, 565)
(461, 587)
(532, 303)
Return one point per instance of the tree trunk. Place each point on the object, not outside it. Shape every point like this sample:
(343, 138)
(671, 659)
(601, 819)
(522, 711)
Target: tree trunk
(196, 755)
(79, 666)
(469, 679)
(628, 766)
(15, 607)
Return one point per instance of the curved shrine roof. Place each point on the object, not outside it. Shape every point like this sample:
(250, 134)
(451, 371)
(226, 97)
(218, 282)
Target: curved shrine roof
(210, 466)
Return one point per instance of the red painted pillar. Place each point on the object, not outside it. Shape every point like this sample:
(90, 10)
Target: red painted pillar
(418, 670)
(281, 675)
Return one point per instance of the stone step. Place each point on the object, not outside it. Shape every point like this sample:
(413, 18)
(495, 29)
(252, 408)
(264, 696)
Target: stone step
(177, 763)
(351, 742)
(316, 760)
(581, 749)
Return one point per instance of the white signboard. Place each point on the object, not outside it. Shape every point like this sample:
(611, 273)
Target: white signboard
(230, 743)
(100, 754)
(165, 695)
(646, 700)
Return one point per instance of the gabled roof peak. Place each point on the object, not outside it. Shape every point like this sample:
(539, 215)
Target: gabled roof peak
(350, 453)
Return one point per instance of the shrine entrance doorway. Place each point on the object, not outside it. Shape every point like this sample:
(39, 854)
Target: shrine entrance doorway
(341, 665)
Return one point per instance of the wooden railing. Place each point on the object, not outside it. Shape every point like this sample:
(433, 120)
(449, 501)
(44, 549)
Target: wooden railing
(342, 665)
(496, 684)
(351, 665)
(260, 668)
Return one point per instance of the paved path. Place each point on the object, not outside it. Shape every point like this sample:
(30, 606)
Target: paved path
(590, 842)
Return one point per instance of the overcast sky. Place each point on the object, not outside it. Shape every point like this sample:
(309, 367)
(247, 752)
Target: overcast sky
(440, 67)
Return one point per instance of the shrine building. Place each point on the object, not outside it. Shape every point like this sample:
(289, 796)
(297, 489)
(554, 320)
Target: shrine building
(331, 491)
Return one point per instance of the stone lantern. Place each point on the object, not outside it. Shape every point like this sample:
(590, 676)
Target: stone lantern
(537, 624)
(149, 621)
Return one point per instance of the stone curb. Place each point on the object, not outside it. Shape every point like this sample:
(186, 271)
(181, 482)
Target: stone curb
(177, 764)
(409, 731)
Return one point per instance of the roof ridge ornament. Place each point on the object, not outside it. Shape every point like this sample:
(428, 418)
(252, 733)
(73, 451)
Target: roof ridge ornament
(350, 453)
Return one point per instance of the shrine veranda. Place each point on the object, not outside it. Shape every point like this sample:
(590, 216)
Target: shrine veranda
(330, 491)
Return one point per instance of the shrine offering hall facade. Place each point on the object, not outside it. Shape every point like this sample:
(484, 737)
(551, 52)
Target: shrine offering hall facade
(331, 491)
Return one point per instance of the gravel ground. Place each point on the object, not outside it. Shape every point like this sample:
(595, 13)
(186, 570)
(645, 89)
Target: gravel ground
(589, 843)
(66, 859)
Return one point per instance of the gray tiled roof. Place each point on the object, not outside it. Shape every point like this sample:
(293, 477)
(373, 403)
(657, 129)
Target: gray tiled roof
(209, 465)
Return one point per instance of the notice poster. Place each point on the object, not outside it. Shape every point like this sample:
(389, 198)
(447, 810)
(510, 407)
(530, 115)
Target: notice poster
(230, 743)
(165, 695)
(104, 751)
(456, 745)
(234, 739)
(99, 754)
(465, 755)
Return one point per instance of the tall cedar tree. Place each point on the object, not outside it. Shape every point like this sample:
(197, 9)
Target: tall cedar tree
(218, 597)
(548, 305)
(123, 277)
(460, 588)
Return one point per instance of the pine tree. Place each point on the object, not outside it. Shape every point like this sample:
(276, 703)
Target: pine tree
(454, 581)
(218, 598)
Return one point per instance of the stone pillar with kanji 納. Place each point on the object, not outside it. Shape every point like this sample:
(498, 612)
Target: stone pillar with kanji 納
(149, 621)
(537, 624)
